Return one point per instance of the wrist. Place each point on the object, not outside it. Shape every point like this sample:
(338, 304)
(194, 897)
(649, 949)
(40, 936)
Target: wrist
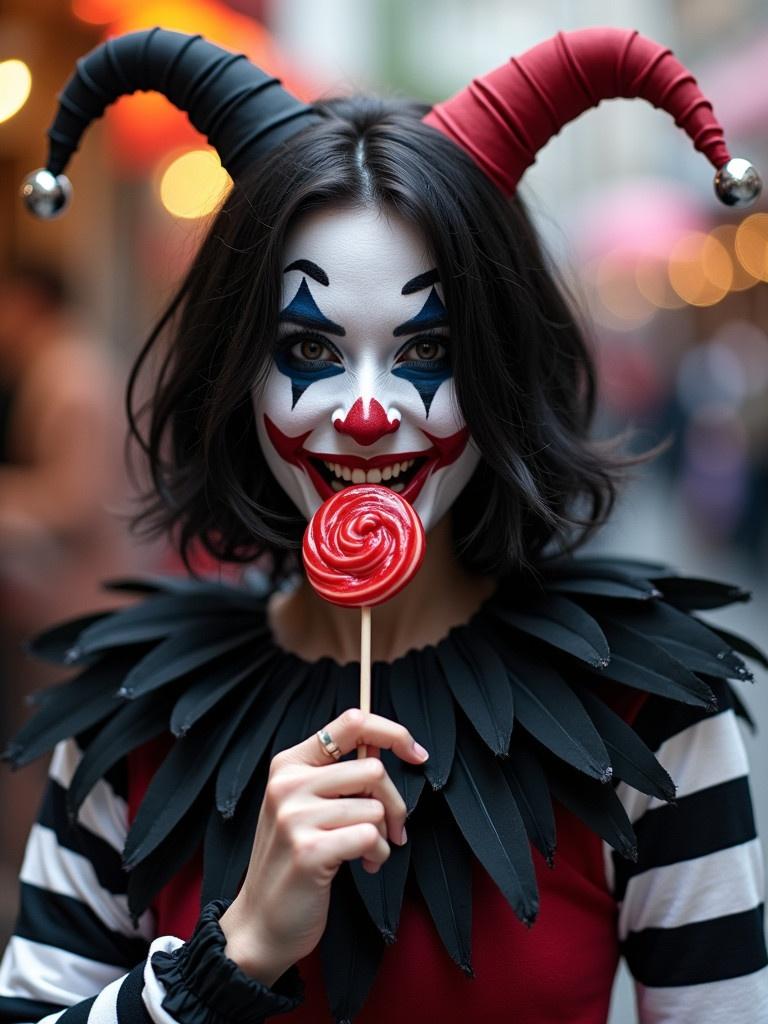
(255, 957)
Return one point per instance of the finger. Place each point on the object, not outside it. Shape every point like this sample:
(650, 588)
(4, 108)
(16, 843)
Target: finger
(354, 778)
(349, 843)
(328, 814)
(351, 729)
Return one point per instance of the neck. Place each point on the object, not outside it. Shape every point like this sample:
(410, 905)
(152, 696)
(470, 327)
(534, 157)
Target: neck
(441, 595)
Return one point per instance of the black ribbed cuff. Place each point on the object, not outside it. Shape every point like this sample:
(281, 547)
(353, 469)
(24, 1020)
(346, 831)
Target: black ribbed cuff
(204, 986)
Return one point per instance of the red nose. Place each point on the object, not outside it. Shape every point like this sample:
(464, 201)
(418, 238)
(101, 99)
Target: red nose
(366, 429)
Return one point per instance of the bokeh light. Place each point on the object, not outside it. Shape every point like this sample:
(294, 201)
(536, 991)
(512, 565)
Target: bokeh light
(751, 244)
(15, 86)
(98, 12)
(700, 269)
(618, 303)
(742, 278)
(193, 184)
(653, 284)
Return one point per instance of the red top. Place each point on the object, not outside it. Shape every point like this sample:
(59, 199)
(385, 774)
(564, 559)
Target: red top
(560, 969)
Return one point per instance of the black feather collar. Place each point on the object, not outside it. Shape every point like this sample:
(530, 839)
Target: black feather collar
(509, 706)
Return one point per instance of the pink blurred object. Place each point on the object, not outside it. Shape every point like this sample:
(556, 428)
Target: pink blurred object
(641, 218)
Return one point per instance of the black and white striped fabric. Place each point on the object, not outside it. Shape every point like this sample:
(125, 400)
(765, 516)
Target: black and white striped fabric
(690, 910)
(75, 955)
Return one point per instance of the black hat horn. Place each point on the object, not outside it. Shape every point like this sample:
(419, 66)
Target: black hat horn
(243, 111)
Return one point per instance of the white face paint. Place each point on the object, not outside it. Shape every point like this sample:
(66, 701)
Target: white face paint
(360, 389)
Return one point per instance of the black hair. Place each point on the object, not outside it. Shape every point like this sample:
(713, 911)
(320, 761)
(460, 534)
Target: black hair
(524, 376)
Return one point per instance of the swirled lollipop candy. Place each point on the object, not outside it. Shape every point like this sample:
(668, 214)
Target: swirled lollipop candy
(361, 547)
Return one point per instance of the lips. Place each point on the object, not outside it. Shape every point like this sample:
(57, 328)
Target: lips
(320, 466)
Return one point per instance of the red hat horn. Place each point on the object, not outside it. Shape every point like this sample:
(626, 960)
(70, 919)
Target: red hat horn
(504, 118)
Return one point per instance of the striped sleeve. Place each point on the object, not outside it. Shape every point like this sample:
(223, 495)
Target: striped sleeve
(75, 955)
(691, 909)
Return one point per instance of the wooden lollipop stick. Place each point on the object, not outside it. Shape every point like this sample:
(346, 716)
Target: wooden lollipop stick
(365, 668)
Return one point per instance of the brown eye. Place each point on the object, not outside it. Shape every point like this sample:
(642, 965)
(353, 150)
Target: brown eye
(426, 350)
(313, 351)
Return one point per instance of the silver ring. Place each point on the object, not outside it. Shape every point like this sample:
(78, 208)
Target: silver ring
(328, 744)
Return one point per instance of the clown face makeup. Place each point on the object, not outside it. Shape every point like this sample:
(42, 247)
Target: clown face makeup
(361, 388)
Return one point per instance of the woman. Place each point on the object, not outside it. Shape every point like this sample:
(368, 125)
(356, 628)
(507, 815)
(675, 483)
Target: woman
(368, 304)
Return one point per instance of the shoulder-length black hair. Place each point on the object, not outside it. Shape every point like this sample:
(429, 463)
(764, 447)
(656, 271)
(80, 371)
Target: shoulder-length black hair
(524, 377)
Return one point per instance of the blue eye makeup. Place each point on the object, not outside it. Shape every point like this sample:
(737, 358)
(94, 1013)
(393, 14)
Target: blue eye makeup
(295, 358)
(426, 371)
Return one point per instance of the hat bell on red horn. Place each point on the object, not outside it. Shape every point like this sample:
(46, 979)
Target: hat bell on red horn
(504, 118)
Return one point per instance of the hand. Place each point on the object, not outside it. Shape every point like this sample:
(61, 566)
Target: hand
(316, 813)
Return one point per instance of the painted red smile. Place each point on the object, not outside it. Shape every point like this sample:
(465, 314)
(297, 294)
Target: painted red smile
(320, 467)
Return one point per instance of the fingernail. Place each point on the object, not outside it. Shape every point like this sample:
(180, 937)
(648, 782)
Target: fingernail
(419, 751)
(404, 837)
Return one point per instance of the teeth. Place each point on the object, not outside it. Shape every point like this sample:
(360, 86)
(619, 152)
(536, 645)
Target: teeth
(346, 474)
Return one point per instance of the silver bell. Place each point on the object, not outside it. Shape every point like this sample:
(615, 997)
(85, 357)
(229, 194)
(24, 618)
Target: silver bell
(46, 195)
(737, 183)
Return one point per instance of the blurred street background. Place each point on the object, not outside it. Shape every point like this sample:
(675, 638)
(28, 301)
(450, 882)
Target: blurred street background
(673, 285)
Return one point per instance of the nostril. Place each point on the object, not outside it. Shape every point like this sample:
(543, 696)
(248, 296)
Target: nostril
(366, 426)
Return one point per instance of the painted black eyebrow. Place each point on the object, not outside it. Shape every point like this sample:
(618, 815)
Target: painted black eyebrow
(432, 314)
(304, 311)
(310, 268)
(416, 284)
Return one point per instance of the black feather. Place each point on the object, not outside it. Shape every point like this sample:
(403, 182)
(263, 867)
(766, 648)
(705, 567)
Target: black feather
(187, 650)
(548, 709)
(638, 662)
(180, 778)
(409, 779)
(310, 709)
(350, 949)
(442, 865)
(255, 732)
(228, 843)
(198, 698)
(740, 644)
(56, 644)
(485, 810)
(603, 587)
(425, 703)
(152, 620)
(155, 871)
(663, 620)
(478, 679)
(561, 623)
(700, 662)
(382, 892)
(72, 708)
(689, 592)
(526, 778)
(594, 578)
(133, 725)
(596, 805)
(632, 761)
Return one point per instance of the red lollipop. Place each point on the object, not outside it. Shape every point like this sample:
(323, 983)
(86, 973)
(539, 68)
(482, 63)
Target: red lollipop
(361, 547)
